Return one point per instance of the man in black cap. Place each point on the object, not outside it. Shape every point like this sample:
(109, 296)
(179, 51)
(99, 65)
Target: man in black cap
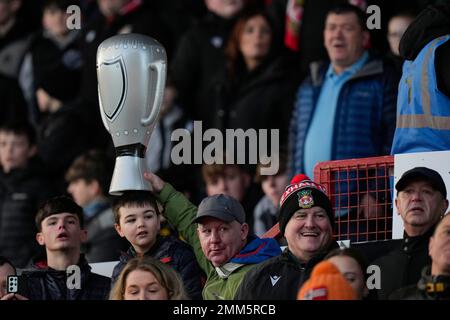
(218, 235)
(421, 202)
(306, 220)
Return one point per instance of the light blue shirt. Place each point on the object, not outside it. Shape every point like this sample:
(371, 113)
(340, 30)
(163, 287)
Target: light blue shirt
(319, 139)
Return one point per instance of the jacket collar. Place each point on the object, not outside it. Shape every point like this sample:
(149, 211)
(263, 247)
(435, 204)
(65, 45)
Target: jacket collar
(291, 258)
(257, 250)
(411, 244)
(370, 68)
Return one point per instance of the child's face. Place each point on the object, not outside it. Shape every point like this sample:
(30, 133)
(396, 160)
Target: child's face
(273, 187)
(61, 232)
(54, 21)
(234, 183)
(82, 192)
(139, 225)
(15, 150)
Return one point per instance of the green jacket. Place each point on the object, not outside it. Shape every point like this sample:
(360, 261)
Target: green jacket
(180, 213)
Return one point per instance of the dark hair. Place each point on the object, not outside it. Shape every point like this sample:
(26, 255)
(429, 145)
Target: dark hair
(91, 166)
(4, 260)
(60, 204)
(232, 49)
(217, 170)
(20, 128)
(349, 8)
(59, 4)
(352, 253)
(133, 198)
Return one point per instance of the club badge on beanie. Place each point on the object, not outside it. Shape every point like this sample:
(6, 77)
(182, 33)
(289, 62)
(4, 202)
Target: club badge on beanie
(303, 193)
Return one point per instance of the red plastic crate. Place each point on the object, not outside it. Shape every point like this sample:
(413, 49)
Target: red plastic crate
(350, 184)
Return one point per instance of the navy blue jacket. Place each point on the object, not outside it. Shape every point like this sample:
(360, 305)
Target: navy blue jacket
(365, 116)
(44, 283)
(176, 254)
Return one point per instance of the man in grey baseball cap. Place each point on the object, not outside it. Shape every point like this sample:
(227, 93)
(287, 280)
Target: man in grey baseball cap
(222, 207)
(219, 236)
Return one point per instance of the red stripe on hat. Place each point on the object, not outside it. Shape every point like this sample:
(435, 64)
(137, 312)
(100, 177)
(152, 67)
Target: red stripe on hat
(294, 187)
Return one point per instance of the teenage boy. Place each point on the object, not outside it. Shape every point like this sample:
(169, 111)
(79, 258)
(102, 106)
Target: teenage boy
(61, 230)
(137, 218)
(88, 180)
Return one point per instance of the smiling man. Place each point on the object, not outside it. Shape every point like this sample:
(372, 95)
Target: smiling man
(219, 236)
(306, 220)
(421, 202)
(346, 107)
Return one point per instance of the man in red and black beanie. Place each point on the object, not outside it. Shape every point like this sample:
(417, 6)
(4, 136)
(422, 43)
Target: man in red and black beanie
(303, 193)
(306, 220)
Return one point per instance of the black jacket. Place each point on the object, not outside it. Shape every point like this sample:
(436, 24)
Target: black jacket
(176, 254)
(260, 99)
(278, 278)
(403, 265)
(12, 107)
(56, 66)
(198, 59)
(44, 283)
(21, 193)
(432, 23)
(62, 136)
(428, 288)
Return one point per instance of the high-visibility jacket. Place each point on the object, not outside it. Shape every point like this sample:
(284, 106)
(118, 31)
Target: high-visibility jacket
(423, 112)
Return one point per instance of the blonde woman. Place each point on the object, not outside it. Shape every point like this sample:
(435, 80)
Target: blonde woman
(148, 279)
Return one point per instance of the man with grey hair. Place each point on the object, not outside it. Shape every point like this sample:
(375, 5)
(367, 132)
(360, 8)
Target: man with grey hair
(219, 236)
(421, 202)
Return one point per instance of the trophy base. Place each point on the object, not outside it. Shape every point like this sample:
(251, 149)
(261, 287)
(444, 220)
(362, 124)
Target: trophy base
(128, 175)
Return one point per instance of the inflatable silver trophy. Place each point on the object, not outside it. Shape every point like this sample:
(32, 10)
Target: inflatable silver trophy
(131, 73)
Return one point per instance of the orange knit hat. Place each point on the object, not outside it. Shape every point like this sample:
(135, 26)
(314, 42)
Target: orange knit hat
(326, 283)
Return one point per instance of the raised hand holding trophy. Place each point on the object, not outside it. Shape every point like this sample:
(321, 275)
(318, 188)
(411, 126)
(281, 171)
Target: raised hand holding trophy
(131, 72)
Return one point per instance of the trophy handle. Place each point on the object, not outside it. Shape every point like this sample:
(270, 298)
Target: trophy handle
(105, 122)
(158, 66)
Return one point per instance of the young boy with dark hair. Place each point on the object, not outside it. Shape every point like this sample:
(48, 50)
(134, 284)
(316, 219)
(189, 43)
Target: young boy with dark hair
(89, 178)
(266, 211)
(60, 225)
(23, 187)
(138, 218)
(235, 181)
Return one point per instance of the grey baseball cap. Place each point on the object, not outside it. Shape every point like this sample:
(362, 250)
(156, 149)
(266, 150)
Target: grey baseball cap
(221, 207)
